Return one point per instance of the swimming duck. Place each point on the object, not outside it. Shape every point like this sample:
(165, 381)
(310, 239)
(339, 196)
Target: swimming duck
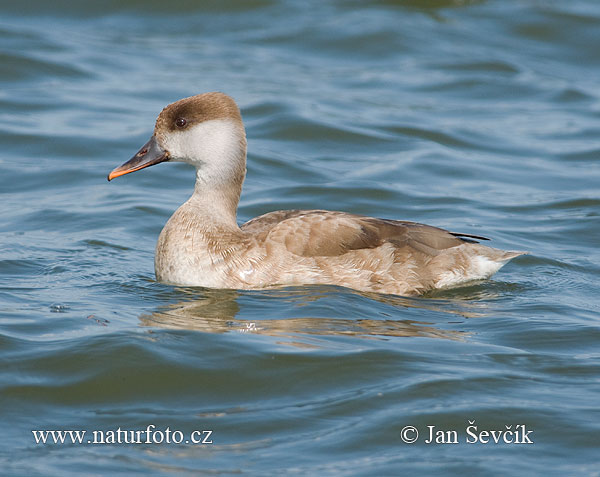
(203, 245)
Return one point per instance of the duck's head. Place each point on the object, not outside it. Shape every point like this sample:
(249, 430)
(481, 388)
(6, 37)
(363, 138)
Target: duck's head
(205, 131)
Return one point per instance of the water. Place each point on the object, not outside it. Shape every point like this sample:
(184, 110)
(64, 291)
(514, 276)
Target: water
(478, 116)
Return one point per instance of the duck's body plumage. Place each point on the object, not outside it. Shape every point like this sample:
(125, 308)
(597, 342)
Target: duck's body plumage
(202, 245)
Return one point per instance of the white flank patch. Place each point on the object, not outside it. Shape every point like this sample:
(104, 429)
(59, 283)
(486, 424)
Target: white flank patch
(480, 268)
(245, 273)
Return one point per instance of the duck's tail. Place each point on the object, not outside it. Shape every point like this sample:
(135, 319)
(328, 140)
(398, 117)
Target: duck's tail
(506, 256)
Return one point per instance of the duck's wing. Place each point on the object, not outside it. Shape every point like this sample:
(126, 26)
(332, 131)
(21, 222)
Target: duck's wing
(312, 233)
(267, 221)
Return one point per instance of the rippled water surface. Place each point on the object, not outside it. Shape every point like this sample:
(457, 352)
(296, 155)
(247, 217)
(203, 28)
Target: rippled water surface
(478, 116)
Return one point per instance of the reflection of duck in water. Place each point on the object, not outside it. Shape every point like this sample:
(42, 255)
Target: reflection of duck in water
(214, 311)
(202, 244)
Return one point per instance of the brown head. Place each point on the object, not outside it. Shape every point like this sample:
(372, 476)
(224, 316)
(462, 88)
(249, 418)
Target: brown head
(205, 131)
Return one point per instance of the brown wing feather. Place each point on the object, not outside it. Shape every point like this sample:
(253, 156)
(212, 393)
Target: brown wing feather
(313, 233)
(268, 220)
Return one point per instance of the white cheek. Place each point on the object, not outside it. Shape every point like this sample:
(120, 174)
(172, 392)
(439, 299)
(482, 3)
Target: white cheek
(206, 143)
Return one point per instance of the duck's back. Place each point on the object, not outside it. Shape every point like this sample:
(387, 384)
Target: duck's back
(370, 254)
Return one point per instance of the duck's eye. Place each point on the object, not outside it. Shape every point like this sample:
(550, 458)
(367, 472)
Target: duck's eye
(180, 122)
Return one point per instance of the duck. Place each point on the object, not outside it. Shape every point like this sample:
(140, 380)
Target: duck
(202, 244)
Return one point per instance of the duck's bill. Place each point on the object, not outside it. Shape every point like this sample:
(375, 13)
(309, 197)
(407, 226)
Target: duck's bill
(150, 153)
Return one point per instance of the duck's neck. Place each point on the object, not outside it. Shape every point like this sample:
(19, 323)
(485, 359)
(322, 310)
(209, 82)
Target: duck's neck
(216, 203)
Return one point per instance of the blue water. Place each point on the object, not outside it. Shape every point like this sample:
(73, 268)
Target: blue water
(482, 117)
